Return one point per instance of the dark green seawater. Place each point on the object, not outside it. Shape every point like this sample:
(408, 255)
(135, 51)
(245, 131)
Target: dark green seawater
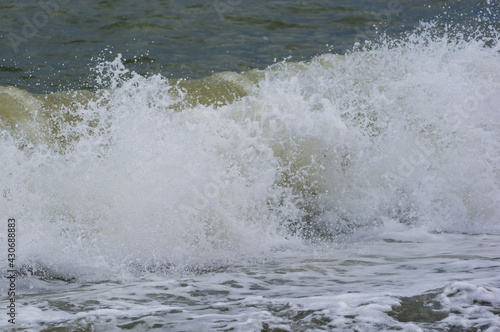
(50, 45)
(234, 165)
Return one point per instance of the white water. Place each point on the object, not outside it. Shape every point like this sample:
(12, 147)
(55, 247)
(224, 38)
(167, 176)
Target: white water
(410, 281)
(132, 186)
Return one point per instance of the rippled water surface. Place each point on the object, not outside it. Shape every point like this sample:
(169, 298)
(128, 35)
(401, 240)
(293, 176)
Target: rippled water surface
(51, 47)
(250, 165)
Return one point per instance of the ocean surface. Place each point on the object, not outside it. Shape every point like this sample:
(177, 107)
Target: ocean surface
(237, 165)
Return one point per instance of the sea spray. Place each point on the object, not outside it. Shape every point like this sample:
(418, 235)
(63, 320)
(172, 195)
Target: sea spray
(152, 174)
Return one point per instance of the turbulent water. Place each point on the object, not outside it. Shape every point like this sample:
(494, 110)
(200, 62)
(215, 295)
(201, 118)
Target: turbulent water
(357, 191)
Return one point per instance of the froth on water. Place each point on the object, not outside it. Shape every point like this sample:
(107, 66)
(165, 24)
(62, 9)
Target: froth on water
(150, 173)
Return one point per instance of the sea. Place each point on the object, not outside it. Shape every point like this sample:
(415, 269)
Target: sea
(250, 165)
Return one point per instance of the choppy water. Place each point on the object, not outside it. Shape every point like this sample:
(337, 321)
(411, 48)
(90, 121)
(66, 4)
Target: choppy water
(209, 185)
(51, 47)
(400, 282)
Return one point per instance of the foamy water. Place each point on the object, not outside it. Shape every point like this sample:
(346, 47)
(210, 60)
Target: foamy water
(347, 192)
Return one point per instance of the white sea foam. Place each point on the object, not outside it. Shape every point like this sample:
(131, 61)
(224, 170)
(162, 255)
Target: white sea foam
(373, 285)
(405, 132)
